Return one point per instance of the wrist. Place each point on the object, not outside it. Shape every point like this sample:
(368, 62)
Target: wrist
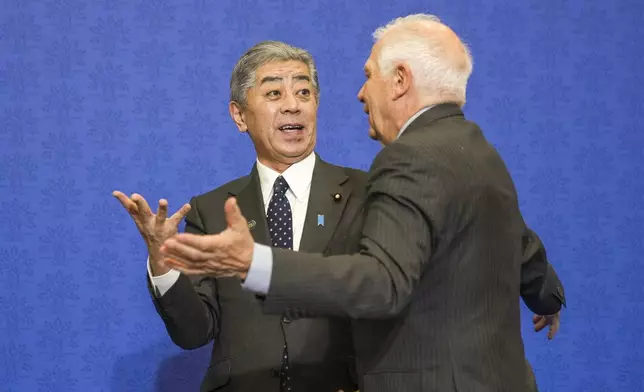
(243, 273)
(159, 269)
(157, 265)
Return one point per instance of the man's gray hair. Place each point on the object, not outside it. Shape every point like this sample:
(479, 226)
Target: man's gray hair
(433, 72)
(243, 77)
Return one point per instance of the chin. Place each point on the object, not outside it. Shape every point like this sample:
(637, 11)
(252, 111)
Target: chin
(375, 135)
(295, 152)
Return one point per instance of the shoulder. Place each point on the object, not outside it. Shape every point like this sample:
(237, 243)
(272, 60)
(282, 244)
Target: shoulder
(446, 143)
(355, 177)
(435, 157)
(207, 208)
(220, 194)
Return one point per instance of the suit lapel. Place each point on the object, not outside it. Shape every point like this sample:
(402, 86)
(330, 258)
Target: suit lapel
(251, 203)
(324, 210)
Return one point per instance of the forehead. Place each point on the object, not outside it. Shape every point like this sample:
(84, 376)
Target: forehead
(370, 64)
(282, 69)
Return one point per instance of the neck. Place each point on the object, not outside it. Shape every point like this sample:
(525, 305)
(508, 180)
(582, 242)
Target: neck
(404, 114)
(281, 166)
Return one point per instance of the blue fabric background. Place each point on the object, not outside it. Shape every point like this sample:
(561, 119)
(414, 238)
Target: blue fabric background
(132, 95)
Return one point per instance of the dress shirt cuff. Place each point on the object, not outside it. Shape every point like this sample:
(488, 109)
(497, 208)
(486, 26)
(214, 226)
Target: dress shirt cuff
(163, 283)
(259, 274)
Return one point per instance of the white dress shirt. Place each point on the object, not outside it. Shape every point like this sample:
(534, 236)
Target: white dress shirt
(412, 118)
(298, 176)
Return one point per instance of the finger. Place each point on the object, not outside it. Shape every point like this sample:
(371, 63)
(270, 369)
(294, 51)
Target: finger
(183, 267)
(162, 211)
(536, 318)
(185, 252)
(554, 328)
(143, 206)
(129, 205)
(207, 242)
(194, 256)
(199, 270)
(186, 263)
(179, 215)
(234, 217)
(541, 324)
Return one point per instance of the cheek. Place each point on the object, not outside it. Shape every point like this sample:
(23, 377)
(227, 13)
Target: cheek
(271, 111)
(374, 105)
(310, 110)
(267, 118)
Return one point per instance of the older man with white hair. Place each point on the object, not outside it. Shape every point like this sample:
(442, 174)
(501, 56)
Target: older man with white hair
(444, 251)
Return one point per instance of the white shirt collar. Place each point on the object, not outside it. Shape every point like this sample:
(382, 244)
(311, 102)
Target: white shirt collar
(412, 118)
(298, 176)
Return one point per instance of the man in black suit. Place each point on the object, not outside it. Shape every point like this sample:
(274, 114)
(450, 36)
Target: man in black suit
(291, 199)
(444, 252)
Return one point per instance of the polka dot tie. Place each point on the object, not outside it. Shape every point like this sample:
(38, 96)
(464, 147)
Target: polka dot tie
(280, 226)
(280, 221)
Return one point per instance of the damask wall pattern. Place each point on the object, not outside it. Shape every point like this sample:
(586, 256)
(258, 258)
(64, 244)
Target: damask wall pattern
(132, 95)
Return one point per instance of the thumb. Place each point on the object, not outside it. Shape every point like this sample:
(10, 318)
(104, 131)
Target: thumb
(234, 217)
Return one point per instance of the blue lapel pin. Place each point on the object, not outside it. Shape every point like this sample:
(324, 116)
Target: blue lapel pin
(320, 220)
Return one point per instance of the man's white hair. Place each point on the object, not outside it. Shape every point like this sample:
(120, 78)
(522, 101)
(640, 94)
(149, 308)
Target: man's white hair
(434, 73)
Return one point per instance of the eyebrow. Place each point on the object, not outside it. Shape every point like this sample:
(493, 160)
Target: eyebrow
(268, 79)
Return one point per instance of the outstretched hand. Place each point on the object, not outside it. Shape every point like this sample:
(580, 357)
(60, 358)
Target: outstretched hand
(226, 254)
(155, 228)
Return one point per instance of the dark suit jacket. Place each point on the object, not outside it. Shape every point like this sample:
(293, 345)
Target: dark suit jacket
(434, 290)
(541, 289)
(248, 344)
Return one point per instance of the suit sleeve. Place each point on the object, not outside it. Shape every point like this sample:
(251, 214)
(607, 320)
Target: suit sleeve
(395, 245)
(190, 309)
(541, 289)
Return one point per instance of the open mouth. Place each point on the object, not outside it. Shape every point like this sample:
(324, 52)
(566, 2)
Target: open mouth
(291, 127)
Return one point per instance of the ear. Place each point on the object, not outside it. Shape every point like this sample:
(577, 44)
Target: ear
(237, 114)
(402, 80)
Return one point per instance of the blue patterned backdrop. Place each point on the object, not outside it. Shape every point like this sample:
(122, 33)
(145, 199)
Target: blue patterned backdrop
(132, 95)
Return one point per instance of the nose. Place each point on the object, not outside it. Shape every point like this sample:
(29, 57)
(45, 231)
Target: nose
(290, 104)
(361, 94)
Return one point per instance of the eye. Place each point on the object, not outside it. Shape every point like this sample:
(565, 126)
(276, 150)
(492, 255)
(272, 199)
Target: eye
(273, 94)
(305, 92)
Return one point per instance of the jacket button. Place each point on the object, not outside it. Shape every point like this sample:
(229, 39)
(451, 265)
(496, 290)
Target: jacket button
(286, 319)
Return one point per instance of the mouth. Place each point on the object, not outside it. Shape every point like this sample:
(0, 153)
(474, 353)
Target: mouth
(292, 127)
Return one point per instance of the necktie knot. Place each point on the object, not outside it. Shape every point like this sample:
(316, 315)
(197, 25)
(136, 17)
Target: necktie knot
(280, 187)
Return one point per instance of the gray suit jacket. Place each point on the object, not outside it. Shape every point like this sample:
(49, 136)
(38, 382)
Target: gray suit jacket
(248, 344)
(435, 284)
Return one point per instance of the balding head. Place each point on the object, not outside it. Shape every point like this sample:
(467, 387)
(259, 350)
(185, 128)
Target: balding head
(416, 62)
(439, 61)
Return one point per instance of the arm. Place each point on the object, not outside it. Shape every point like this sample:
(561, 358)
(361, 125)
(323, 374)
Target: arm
(403, 208)
(541, 288)
(190, 308)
